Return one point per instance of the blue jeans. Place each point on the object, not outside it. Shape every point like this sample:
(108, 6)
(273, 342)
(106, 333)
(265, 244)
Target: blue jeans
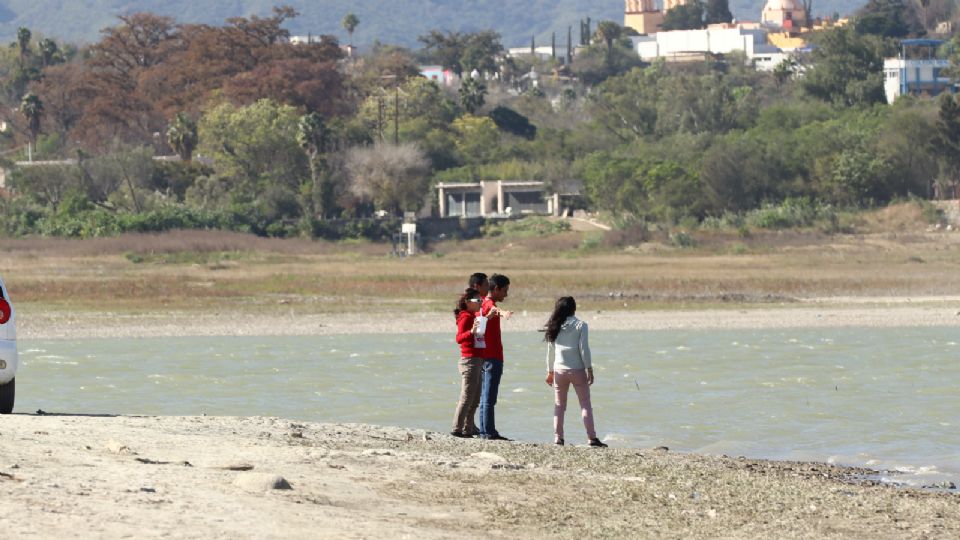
(492, 371)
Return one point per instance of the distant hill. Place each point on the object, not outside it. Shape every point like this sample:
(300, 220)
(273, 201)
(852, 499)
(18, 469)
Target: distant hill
(397, 22)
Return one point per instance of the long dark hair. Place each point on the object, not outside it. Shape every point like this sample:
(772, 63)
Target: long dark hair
(566, 306)
(468, 293)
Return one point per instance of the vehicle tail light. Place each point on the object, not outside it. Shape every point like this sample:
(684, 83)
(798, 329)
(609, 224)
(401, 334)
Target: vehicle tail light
(5, 311)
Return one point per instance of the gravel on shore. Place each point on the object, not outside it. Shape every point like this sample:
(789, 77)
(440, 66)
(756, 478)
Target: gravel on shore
(255, 477)
(877, 312)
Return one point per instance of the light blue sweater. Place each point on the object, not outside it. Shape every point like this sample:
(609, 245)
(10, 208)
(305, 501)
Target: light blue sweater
(571, 350)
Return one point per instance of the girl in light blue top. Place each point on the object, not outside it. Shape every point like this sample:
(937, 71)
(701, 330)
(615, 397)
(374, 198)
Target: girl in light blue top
(569, 363)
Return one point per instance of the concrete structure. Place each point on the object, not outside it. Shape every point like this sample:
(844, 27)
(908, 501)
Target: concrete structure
(718, 39)
(786, 14)
(496, 198)
(916, 71)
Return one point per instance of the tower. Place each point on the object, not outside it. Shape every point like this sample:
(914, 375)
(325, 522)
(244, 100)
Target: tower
(643, 16)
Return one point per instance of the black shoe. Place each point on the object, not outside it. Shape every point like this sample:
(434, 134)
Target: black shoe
(596, 443)
(497, 437)
(559, 442)
(458, 434)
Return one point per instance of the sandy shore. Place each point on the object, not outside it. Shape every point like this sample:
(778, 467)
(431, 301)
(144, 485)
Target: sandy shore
(813, 313)
(255, 477)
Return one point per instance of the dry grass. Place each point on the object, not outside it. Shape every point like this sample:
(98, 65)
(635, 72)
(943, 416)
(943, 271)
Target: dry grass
(216, 270)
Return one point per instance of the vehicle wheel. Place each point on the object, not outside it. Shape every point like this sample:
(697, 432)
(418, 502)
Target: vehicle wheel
(6, 397)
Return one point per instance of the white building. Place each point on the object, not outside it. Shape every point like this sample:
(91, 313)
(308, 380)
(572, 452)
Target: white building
(712, 40)
(915, 76)
(543, 52)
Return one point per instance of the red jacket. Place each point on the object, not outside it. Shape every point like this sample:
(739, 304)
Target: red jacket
(465, 335)
(494, 350)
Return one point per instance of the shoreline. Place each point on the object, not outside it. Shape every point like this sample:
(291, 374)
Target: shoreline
(258, 477)
(885, 312)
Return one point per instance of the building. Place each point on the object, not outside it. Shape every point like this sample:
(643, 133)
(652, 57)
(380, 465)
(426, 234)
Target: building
(716, 39)
(439, 75)
(644, 16)
(916, 70)
(501, 198)
(786, 14)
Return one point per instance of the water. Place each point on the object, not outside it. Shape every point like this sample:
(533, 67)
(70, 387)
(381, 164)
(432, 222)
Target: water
(883, 398)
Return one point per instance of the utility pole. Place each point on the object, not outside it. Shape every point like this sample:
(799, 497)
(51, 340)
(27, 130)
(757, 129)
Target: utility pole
(396, 114)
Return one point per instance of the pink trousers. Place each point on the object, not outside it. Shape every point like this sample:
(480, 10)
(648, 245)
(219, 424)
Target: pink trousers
(561, 385)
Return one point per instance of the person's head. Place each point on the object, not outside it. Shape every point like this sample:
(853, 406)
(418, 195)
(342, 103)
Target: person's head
(565, 307)
(470, 301)
(479, 282)
(499, 287)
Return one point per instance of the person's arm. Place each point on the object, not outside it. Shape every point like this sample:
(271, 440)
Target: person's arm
(551, 347)
(585, 352)
(465, 329)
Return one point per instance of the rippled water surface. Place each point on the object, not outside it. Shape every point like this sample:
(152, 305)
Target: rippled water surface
(886, 398)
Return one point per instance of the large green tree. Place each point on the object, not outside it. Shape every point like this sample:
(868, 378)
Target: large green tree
(847, 68)
(260, 165)
(687, 16)
(718, 11)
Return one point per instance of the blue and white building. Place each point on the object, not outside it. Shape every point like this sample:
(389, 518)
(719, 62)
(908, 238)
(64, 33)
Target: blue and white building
(916, 70)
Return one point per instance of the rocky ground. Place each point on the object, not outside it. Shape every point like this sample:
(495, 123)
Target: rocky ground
(254, 477)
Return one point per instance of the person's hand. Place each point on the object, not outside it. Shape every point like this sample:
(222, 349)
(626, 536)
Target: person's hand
(549, 379)
(590, 376)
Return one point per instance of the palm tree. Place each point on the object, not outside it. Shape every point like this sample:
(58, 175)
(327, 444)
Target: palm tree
(350, 22)
(182, 136)
(608, 32)
(32, 109)
(48, 50)
(472, 94)
(23, 42)
(314, 137)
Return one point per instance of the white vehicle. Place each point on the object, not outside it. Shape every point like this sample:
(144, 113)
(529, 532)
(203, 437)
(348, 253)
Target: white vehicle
(8, 351)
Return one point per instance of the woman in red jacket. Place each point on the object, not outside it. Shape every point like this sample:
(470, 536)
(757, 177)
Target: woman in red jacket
(471, 363)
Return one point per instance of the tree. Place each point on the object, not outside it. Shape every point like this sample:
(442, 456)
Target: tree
(947, 139)
(847, 68)
(394, 177)
(257, 158)
(49, 51)
(481, 51)
(472, 94)
(608, 32)
(718, 11)
(687, 16)
(888, 18)
(182, 136)
(350, 22)
(444, 49)
(808, 13)
(32, 110)
(314, 137)
(463, 52)
(477, 139)
(785, 70)
(23, 43)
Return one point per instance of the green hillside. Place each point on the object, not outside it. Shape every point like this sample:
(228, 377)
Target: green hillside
(398, 22)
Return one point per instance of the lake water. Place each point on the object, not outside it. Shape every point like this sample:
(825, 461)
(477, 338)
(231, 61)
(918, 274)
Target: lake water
(884, 398)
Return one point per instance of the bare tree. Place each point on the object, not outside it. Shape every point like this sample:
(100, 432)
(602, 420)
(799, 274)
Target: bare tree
(394, 177)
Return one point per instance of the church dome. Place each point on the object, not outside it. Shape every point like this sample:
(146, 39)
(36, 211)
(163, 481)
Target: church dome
(781, 5)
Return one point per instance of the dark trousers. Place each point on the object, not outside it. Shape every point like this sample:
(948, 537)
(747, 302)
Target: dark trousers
(492, 371)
